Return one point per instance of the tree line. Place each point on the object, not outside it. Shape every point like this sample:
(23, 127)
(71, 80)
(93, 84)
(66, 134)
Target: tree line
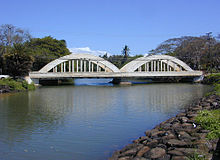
(200, 53)
(21, 53)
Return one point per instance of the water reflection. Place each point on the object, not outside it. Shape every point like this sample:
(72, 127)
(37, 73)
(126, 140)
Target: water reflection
(98, 119)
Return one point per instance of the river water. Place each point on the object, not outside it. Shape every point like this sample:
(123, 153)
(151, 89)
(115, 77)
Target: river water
(85, 121)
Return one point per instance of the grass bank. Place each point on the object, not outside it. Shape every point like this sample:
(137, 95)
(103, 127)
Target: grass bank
(11, 85)
(210, 119)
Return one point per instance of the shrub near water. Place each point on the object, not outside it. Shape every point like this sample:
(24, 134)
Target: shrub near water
(210, 120)
(213, 78)
(13, 85)
(31, 86)
(17, 85)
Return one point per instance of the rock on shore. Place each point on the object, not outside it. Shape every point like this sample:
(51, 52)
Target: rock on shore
(4, 89)
(177, 138)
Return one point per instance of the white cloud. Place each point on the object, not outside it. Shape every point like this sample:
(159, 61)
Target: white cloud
(88, 51)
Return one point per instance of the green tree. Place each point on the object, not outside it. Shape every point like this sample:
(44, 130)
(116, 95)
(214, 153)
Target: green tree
(120, 61)
(10, 35)
(116, 60)
(18, 60)
(45, 50)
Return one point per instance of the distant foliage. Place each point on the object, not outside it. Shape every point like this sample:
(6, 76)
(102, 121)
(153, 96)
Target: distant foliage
(119, 60)
(201, 53)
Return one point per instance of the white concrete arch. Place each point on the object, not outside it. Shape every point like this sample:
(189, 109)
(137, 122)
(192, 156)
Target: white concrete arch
(159, 61)
(85, 60)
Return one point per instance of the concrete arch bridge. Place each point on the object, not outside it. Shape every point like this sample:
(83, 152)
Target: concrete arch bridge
(155, 67)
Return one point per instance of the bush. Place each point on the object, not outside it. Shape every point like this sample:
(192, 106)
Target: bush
(212, 78)
(31, 86)
(17, 85)
(14, 85)
(25, 84)
(210, 120)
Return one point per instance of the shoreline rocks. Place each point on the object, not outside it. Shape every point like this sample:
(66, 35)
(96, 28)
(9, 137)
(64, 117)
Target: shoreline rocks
(177, 138)
(4, 89)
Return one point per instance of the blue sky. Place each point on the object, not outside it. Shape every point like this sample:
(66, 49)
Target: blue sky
(107, 25)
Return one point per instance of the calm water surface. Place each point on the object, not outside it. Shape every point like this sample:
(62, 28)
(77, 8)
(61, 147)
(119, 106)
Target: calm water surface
(85, 122)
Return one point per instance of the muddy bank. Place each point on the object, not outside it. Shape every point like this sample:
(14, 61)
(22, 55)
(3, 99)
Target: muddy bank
(177, 138)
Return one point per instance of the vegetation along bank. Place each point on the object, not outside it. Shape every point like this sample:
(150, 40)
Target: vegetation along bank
(10, 85)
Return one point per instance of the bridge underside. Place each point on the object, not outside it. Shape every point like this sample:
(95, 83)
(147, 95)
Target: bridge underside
(119, 76)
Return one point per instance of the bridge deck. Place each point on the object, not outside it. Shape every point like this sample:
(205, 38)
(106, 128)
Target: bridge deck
(51, 75)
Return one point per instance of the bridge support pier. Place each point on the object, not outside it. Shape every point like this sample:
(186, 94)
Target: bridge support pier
(31, 80)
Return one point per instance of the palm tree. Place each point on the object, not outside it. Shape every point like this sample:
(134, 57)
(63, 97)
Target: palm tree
(125, 51)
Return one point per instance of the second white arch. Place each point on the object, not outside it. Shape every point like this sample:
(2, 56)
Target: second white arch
(156, 63)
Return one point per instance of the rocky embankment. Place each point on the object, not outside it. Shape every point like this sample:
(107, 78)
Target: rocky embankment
(4, 89)
(177, 138)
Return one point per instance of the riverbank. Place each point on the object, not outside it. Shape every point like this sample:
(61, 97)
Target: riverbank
(177, 138)
(183, 136)
(9, 85)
